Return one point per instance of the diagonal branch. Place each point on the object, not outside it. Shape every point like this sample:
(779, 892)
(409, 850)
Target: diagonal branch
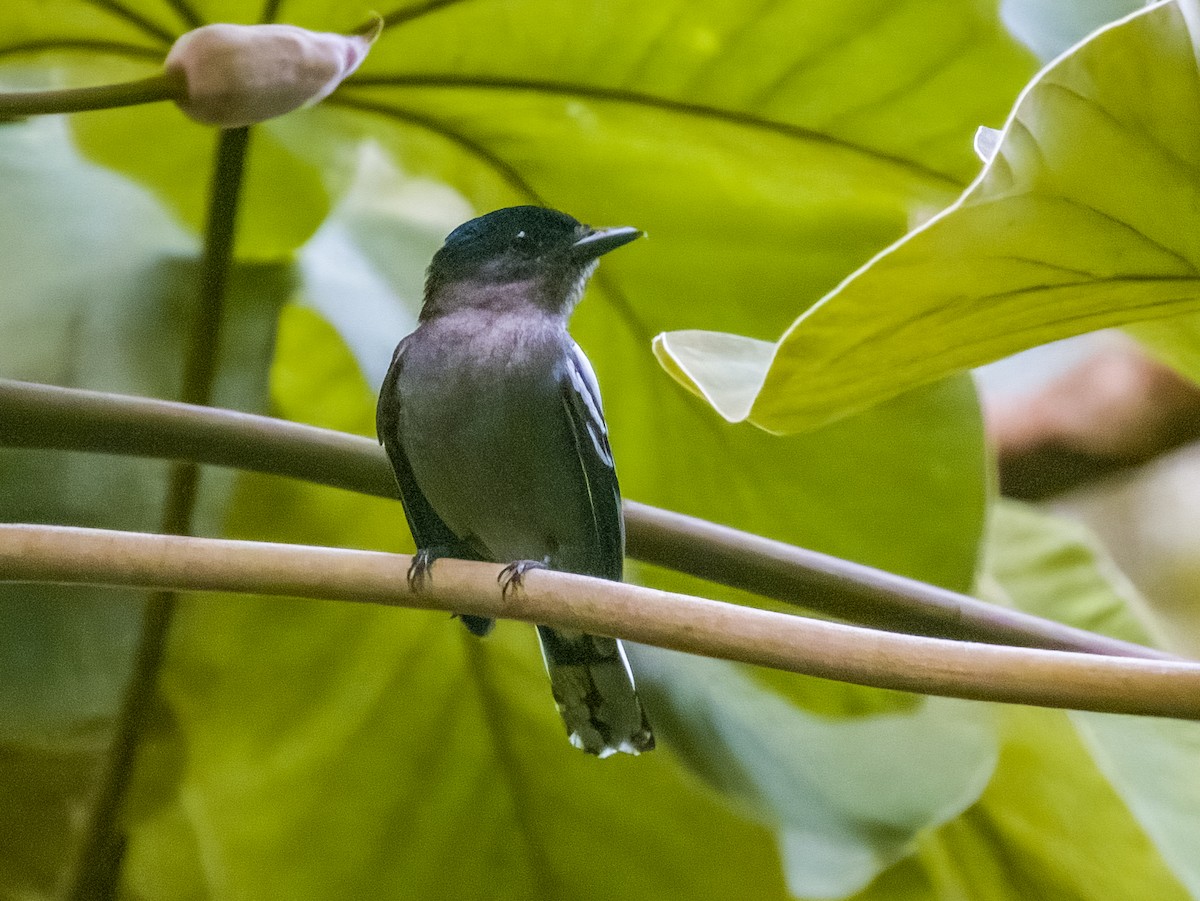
(41, 416)
(1167, 688)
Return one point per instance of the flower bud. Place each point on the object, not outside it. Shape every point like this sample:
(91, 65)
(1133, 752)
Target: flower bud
(236, 75)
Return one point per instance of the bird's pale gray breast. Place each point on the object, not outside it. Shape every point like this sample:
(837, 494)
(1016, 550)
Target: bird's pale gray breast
(482, 424)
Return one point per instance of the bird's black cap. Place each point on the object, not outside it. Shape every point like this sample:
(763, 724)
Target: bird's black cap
(519, 240)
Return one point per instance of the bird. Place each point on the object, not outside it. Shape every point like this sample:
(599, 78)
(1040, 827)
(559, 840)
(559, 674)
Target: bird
(491, 417)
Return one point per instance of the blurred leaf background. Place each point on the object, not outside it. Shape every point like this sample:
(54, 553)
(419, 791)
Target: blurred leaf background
(306, 750)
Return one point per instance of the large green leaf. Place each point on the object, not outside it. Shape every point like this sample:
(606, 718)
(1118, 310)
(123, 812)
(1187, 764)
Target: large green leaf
(1082, 807)
(1080, 221)
(1152, 765)
(1056, 569)
(85, 284)
(81, 283)
(762, 149)
(783, 113)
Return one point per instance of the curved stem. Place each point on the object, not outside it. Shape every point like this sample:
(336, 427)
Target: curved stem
(1167, 688)
(98, 870)
(42, 416)
(156, 88)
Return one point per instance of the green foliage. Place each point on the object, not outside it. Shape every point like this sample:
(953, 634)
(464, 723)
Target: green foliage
(848, 794)
(1048, 826)
(312, 750)
(1056, 569)
(1081, 805)
(1078, 222)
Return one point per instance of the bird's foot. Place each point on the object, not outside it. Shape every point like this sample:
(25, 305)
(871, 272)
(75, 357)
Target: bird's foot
(420, 571)
(513, 575)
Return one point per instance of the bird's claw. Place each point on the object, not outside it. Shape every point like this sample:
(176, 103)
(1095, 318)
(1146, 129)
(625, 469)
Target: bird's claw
(420, 570)
(513, 575)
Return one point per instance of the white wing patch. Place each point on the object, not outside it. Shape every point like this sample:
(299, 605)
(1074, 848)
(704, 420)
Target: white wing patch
(585, 386)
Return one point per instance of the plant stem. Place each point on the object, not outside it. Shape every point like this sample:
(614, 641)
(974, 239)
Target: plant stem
(162, 86)
(1167, 688)
(200, 366)
(98, 871)
(47, 417)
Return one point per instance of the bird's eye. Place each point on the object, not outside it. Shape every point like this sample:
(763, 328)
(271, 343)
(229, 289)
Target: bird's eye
(523, 243)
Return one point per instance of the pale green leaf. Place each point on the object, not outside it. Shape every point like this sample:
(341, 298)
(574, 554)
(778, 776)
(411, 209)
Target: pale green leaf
(1057, 568)
(725, 370)
(1080, 221)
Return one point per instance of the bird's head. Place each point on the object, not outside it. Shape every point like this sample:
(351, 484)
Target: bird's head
(545, 255)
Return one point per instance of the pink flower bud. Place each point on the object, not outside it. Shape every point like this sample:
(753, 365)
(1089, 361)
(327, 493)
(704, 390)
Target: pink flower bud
(237, 75)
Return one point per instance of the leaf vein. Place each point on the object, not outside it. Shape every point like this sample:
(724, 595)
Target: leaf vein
(652, 101)
(121, 11)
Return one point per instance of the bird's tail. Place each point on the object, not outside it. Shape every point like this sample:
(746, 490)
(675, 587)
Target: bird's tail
(593, 688)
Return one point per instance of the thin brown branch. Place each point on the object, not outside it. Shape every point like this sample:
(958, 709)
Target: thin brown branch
(1167, 688)
(42, 416)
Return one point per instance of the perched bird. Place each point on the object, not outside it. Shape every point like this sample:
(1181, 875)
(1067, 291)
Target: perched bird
(491, 417)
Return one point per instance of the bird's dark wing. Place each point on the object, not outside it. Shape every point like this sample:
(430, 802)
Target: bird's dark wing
(581, 402)
(431, 534)
(427, 528)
